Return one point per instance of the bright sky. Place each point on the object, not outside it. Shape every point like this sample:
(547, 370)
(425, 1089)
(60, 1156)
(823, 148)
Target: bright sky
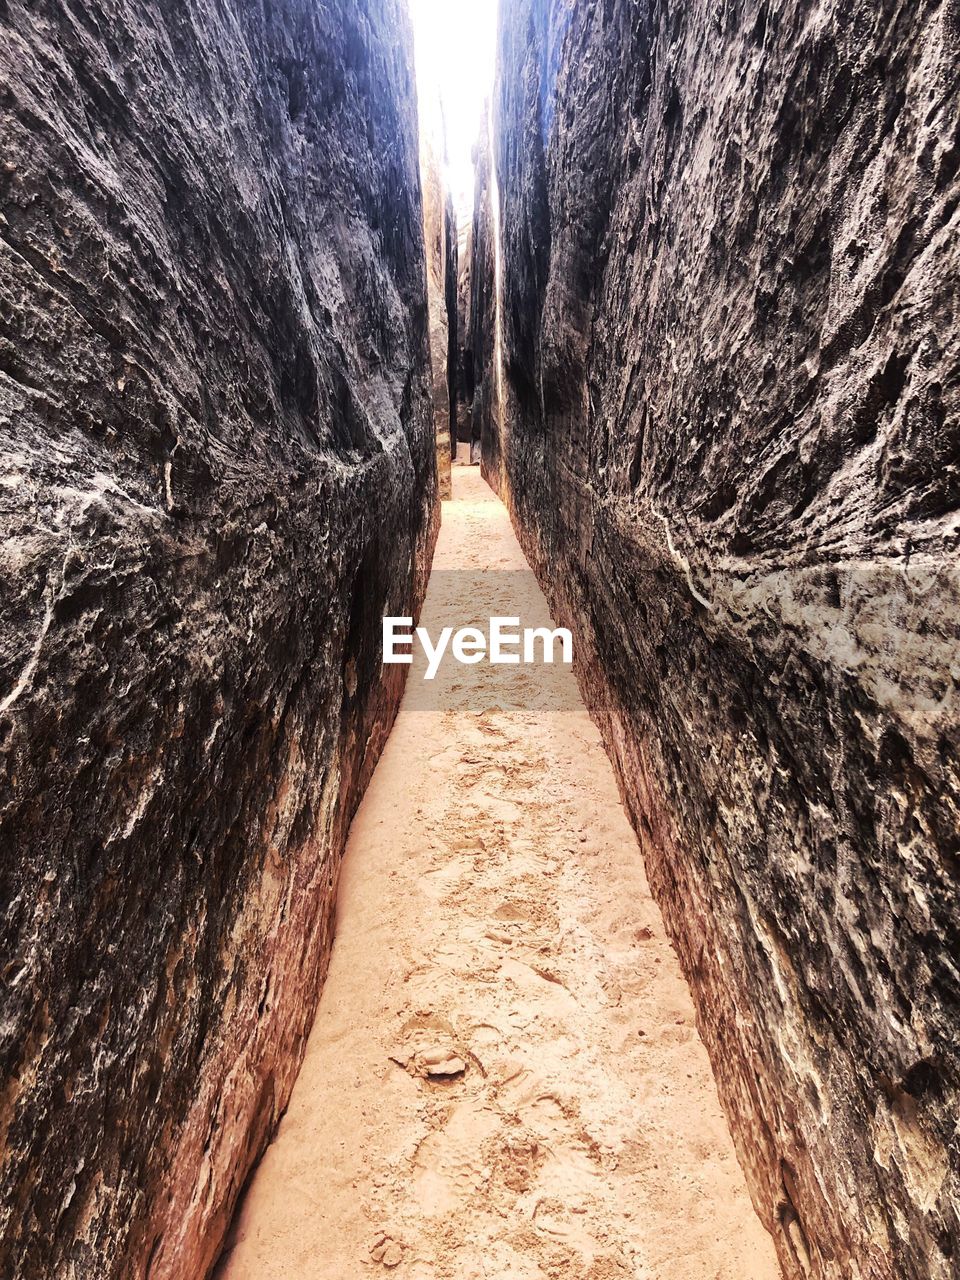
(455, 44)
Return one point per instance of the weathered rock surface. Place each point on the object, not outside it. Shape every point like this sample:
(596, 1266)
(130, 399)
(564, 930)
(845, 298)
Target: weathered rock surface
(440, 232)
(464, 384)
(217, 473)
(732, 364)
(451, 282)
(482, 329)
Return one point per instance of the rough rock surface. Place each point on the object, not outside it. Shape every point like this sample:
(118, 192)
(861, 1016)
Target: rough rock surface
(464, 383)
(482, 329)
(216, 472)
(451, 287)
(732, 363)
(440, 233)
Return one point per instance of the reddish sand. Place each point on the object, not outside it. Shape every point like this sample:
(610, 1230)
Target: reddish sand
(504, 1079)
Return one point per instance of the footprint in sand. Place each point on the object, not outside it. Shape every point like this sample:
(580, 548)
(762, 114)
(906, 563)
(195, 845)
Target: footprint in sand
(428, 1047)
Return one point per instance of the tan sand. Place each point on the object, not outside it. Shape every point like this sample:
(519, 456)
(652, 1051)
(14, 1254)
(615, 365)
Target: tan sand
(504, 1079)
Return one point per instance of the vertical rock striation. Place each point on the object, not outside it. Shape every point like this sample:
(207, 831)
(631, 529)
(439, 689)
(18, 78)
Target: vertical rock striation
(731, 349)
(464, 385)
(440, 232)
(485, 404)
(451, 299)
(216, 474)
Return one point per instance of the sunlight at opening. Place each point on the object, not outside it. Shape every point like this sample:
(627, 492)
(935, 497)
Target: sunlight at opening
(455, 49)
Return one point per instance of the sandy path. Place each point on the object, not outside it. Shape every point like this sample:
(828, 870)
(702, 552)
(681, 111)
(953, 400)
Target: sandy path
(504, 1079)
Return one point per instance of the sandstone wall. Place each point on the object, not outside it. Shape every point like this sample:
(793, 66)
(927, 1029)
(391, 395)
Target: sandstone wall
(464, 384)
(451, 299)
(441, 245)
(482, 328)
(216, 473)
(732, 363)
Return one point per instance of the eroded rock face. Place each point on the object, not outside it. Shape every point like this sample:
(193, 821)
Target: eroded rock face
(441, 244)
(217, 474)
(464, 385)
(482, 331)
(731, 353)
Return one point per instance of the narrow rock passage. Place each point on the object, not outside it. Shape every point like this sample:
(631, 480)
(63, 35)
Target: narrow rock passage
(504, 1079)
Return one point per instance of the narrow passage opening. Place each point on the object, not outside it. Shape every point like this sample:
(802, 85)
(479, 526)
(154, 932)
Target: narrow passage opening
(504, 1079)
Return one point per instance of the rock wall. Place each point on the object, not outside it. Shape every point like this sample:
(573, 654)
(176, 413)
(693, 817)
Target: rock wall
(482, 328)
(451, 298)
(464, 385)
(216, 473)
(731, 346)
(440, 232)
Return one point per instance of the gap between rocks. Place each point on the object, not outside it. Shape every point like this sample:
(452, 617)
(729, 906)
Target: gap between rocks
(504, 1078)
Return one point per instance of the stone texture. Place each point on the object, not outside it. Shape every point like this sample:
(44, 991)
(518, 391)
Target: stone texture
(451, 284)
(217, 473)
(464, 384)
(482, 329)
(440, 232)
(731, 348)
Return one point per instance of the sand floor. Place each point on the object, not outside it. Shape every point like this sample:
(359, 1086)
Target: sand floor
(504, 1079)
